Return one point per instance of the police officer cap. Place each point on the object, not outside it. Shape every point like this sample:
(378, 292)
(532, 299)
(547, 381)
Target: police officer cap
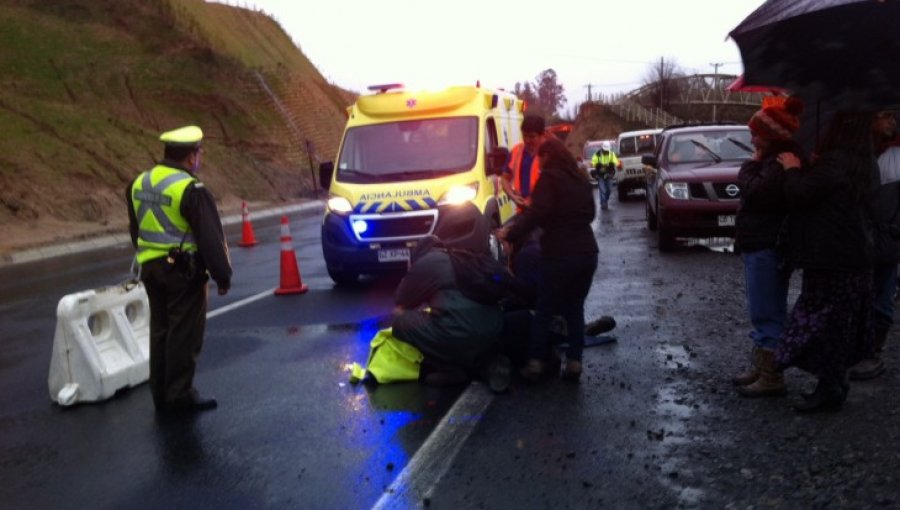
(188, 136)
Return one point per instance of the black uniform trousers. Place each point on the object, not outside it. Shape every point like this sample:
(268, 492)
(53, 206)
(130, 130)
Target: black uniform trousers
(177, 323)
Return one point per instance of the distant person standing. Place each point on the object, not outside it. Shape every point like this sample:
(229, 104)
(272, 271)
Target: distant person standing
(522, 170)
(605, 163)
(175, 226)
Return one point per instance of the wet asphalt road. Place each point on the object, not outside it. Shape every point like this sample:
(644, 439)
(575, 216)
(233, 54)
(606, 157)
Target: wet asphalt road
(654, 423)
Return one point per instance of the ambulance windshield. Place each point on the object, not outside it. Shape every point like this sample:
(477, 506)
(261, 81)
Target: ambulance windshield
(408, 150)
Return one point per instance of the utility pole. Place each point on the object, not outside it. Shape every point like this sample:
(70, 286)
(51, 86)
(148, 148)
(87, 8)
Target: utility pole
(590, 98)
(716, 66)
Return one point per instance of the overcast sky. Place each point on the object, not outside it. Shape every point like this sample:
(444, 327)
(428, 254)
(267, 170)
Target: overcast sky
(430, 44)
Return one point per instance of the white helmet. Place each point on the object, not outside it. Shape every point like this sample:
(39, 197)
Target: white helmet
(606, 146)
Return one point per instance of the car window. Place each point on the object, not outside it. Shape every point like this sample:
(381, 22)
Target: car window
(709, 146)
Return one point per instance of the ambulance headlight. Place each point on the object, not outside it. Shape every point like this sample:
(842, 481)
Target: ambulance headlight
(459, 194)
(339, 205)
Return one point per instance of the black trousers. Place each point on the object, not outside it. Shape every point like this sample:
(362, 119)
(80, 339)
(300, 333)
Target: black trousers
(177, 324)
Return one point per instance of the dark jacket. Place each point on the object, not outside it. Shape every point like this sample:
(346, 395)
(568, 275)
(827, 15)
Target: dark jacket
(763, 205)
(199, 209)
(887, 222)
(829, 224)
(563, 207)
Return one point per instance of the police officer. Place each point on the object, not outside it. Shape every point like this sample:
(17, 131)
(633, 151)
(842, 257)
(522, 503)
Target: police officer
(176, 229)
(605, 162)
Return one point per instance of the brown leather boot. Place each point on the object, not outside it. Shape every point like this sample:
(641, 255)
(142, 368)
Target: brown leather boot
(751, 374)
(770, 382)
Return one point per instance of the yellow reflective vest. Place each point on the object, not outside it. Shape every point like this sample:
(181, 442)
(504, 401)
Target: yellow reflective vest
(156, 197)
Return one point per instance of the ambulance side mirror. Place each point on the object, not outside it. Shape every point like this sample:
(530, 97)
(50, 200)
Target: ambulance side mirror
(326, 171)
(495, 161)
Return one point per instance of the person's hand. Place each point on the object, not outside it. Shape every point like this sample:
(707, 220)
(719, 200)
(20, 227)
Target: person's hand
(788, 160)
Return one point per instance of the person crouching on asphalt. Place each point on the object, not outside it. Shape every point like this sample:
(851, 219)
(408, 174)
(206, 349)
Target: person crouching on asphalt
(175, 226)
(605, 163)
(458, 336)
(562, 206)
(828, 235)
(760, 216)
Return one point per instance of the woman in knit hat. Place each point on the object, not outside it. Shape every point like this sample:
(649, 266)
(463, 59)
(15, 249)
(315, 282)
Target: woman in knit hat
(759, 219)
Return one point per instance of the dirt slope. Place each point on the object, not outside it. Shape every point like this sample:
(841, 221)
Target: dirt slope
(89, 84)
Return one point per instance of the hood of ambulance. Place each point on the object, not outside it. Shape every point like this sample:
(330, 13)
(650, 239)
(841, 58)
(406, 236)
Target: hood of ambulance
(397, 197)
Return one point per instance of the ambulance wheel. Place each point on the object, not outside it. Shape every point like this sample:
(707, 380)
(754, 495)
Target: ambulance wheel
(495, 245)
(343, 277)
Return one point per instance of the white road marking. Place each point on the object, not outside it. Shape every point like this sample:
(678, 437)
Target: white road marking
(431, 462)
(238, 304)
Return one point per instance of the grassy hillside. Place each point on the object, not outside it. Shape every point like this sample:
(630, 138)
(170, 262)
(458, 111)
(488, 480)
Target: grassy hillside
(86, 86)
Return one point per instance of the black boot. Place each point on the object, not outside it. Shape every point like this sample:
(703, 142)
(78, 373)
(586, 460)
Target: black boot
(828, 397)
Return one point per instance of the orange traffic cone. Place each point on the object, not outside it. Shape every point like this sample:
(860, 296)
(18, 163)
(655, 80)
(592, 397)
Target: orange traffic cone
(290, 273)
(248, 238)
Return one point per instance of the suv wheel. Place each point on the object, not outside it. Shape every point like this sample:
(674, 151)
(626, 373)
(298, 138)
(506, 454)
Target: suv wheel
(623, 193)
(666, 240)
(651, 216)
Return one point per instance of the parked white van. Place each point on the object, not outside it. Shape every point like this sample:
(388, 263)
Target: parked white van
(633, 145)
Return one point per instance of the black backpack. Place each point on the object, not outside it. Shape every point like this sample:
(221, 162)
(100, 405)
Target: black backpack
(481, 278)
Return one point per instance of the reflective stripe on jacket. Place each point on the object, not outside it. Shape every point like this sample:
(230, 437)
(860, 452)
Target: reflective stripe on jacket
(156, 197)
(515, 163)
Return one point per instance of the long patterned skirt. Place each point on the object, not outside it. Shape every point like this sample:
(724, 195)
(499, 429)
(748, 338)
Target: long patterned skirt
(829, 329)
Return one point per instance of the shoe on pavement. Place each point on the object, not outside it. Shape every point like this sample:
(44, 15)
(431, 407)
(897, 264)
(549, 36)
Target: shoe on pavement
(572, 373)
(499, 374)
(193, 403)
(600, 326)
(533, 370)
(866, 369)
(447, 377)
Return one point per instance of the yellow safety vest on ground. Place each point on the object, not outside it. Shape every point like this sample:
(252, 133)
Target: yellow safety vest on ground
(156, 196)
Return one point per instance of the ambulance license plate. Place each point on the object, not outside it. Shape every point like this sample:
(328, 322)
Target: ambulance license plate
(393, 255)
(726, 220)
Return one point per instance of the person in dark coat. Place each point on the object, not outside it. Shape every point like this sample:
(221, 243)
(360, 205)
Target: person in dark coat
(562, 206)
(759, 219)
(456, 334)
(829, 236)
(887, 243)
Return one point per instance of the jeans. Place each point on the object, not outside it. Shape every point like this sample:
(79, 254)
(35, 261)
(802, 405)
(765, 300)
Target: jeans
(767, 289)
(564, 285)
(884, 283)
(605, 187)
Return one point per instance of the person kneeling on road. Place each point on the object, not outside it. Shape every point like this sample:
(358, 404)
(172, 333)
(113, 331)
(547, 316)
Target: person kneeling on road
(457, 333)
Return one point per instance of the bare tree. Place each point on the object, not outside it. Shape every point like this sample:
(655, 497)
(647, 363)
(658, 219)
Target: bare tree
(545, 96)
(662, 82)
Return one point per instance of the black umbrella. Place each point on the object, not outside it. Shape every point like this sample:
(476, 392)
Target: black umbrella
(845, 52)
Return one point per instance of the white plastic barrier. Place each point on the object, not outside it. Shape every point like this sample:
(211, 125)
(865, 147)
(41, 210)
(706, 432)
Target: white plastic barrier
(102, 344)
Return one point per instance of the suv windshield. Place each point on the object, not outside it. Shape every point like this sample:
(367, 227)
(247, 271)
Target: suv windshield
(710, 146)
(413, 149)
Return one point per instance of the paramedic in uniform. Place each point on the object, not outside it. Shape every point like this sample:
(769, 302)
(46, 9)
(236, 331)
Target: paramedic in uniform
(522, 171)
(176, 229)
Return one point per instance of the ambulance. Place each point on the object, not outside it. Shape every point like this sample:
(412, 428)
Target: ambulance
(406, 158)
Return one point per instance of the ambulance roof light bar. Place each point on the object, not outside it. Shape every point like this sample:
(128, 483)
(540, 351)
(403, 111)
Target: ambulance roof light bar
(381, 89)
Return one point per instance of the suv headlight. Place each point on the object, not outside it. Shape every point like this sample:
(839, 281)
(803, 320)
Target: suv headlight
(678, 190)
(339, 205)
(459, 194)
